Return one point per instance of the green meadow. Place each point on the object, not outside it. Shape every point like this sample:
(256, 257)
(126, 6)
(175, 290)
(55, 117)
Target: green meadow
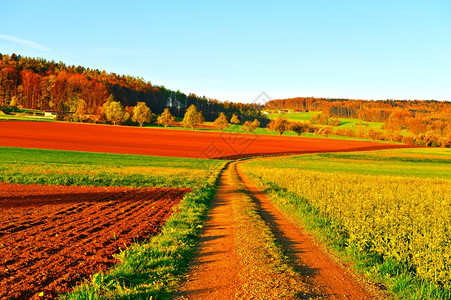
(21, 165)
(295, 116)
(345, 123)
(412, 162)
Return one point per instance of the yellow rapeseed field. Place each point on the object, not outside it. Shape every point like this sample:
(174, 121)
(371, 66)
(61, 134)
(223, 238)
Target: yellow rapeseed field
(407, 219)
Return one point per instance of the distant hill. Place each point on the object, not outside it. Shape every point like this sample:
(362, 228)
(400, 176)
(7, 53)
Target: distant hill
(428, 121)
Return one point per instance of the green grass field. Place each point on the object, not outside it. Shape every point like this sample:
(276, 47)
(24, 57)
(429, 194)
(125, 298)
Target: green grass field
(25, 118)
(295, 116)
(418, 162)
(20, 165)
(345, 123)
(148, 269)
(385, 211)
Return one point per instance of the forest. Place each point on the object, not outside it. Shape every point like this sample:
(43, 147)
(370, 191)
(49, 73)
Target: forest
(36, 83)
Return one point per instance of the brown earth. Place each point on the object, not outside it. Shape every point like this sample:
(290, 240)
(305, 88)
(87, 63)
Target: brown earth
(53, 237)
(214, 271)
(165, 142)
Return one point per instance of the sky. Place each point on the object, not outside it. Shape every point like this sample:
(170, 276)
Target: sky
(235, 50)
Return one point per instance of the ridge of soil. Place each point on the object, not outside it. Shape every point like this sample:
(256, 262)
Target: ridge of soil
(53, 237)
(166, 142)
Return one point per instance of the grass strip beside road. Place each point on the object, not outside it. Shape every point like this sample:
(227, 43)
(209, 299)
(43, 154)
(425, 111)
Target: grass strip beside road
(153, 269)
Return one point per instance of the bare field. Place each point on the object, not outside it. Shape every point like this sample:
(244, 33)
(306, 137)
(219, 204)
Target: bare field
(52, 237)
(165, 142)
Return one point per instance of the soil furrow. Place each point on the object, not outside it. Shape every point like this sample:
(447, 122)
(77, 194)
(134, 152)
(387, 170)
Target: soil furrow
(63, 243)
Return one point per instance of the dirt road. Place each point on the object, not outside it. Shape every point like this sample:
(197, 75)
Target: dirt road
(214, 272)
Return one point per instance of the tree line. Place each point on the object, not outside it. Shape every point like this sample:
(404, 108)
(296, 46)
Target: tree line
(39, 84)
(114, 113)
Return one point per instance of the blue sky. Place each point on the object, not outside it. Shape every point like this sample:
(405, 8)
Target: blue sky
(236, 49)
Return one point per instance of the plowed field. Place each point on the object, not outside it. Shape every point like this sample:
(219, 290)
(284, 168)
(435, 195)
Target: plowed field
(52, 237)
(165, 142)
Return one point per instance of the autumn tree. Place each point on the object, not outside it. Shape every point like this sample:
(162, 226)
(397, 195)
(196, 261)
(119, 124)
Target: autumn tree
(221, 122)
(340, 132)
(13, 103)
(51, 105)
(41, 84)
(394, 136)
(374, 134)
(234, 119)
(325, 131)
(320, 119)
(192, 117)
(255, 124)
(114, 112)
(448, 139)
(361, 132)
(62, 112)
(141, 113)
(280, 125)
(416, 126)
(250, 126)
(9, 79)
(110, 98)
(298, 127)
(350, 132)
(166, 118)
(430, 138)
(397, 120)
(247, 126)
(80, 111)
(408, 140)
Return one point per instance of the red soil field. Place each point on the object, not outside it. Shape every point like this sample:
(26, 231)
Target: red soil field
(165, 142)
(53, 237)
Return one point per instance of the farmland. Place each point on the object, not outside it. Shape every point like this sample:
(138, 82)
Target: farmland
(174, 150)
(53, 237)
(161, 142)
(108, 217)
(387, 210)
